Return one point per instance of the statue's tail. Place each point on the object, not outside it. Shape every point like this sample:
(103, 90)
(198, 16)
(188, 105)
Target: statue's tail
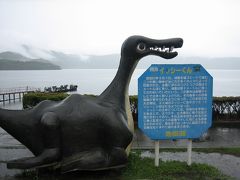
(22, 126)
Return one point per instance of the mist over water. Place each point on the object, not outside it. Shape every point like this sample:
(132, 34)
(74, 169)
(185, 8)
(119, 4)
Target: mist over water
(94, 81)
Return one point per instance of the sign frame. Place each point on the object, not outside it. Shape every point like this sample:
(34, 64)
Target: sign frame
(192, 75)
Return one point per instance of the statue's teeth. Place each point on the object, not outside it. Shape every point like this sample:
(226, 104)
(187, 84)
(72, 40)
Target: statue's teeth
(171, 49)
(163, 48)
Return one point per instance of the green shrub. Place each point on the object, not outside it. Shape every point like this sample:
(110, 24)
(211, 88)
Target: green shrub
(226, 108)
(32, 99)
(223, 108)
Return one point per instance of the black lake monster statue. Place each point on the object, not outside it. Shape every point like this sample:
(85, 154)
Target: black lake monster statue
(82, 132)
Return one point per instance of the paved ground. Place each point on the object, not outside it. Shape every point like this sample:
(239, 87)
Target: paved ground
(218, 137)
(8, 154)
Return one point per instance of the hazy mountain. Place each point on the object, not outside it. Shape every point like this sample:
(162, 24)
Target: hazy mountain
(13, 56)
(112, 61)
(27, 65)
(15, 61)
(35, 53)
(73, 61)
(209, 63)
(68, 61)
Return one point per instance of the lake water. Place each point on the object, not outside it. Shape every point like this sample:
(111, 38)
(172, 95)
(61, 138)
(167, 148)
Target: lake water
(94, 81)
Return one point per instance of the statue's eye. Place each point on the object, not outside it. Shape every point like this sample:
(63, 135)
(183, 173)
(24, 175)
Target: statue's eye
(141, 47)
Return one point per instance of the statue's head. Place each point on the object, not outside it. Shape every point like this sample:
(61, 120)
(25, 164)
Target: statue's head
(138, 47)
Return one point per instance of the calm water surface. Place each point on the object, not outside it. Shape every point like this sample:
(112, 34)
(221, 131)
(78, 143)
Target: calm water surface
(94, 81)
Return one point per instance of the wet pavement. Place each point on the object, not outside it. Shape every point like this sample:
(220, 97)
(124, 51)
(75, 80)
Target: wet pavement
(214, 137)
(7, 154)
(217, 137)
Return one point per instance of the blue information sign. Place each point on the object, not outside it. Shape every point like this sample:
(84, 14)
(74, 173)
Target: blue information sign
(175, 101)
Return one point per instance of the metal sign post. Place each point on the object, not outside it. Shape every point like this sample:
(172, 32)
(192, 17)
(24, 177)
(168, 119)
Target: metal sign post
(189, 152)
(175, 102)
(156, 153)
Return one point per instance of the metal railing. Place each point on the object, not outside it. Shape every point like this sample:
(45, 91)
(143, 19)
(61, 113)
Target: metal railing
(18, 89)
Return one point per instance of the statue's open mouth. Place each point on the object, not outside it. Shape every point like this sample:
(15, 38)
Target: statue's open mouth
(165, 48)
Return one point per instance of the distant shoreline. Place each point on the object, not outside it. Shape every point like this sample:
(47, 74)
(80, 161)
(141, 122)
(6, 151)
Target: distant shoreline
(140, 68)
(62, 60)
(29, 65)
(30, 69)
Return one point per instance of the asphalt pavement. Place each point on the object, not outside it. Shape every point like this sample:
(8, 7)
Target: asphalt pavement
(11, 149)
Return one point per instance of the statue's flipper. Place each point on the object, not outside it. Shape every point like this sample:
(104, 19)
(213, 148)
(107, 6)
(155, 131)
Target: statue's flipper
(50, 130)
(47, 158)
(94, 160)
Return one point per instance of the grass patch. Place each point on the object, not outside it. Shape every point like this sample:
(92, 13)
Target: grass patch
(143, 168)
(139, 168)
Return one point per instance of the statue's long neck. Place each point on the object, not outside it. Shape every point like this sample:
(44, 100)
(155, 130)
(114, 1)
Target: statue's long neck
(117, 91)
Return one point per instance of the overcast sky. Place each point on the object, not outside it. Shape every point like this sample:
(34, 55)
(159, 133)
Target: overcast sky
(209, 27)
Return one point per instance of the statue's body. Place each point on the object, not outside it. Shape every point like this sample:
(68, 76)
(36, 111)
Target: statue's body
(83, 132)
